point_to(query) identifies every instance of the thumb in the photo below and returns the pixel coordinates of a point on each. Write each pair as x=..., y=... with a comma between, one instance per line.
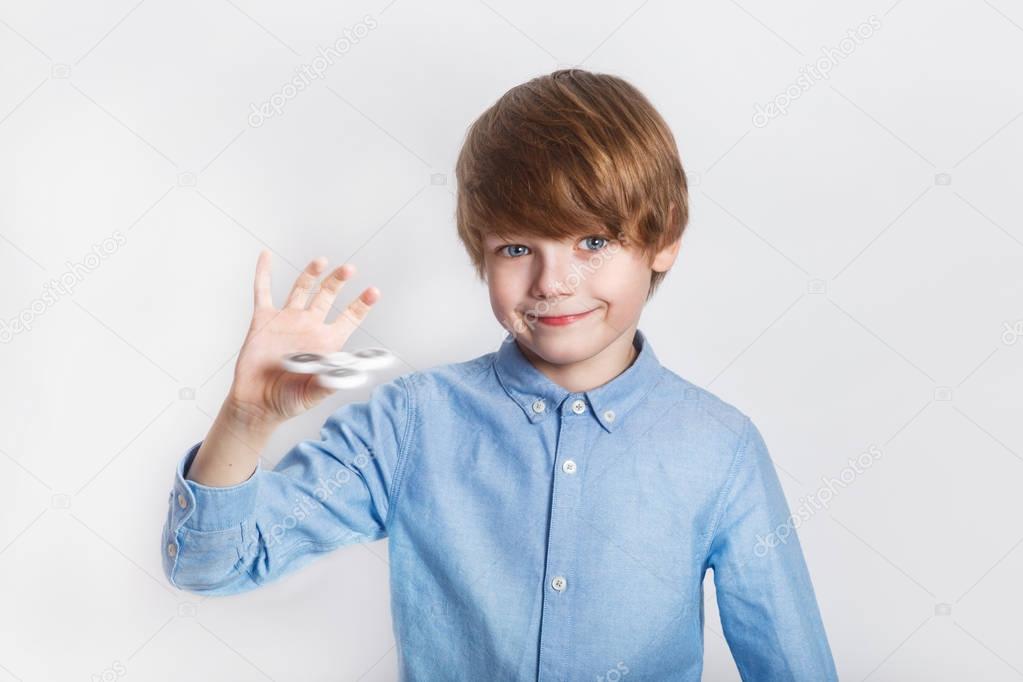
x=315, y=392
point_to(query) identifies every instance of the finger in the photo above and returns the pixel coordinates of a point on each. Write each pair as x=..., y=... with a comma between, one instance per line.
x=261, y=288
x=330, y=287
x=304, y=283
x=356, y=312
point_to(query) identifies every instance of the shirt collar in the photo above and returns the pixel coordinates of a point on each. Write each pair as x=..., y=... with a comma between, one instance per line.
x=609, y=404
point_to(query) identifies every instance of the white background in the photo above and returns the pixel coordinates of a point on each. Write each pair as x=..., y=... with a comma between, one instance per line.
x=851, y=278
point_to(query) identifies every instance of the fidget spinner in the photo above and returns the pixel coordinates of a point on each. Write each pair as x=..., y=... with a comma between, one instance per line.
x=339, y=370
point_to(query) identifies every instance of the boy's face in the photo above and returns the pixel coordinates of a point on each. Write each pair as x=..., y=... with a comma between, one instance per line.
x=600, y=283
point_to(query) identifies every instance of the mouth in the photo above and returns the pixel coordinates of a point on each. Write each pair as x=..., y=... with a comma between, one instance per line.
x=561, y=320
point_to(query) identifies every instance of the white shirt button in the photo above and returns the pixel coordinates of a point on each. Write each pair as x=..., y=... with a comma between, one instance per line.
x=559, y=583
x=539, y=405
x=172, y=549
x=609, y=415
x=182, y=502
x=579, y=406
x=568, y=467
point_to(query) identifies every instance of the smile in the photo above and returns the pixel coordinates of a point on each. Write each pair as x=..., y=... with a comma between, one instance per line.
x=564, y=319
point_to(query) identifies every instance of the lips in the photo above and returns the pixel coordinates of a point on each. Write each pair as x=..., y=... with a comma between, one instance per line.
x=559, y=320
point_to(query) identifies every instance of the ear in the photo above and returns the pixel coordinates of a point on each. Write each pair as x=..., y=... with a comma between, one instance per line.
x=665, y=258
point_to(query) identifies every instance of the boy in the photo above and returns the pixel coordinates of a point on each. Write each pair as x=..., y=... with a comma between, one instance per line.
x=551, y=507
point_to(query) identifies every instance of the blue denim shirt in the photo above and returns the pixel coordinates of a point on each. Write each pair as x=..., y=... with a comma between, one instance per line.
x=534, y=533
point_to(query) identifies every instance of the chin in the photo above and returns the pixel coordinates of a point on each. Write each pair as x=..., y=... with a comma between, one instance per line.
x=564, y=347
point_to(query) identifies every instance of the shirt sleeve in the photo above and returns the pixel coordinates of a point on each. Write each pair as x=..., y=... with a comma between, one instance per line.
x=765, y=597
x=321, y=495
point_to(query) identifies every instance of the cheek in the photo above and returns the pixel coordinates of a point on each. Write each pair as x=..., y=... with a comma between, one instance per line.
x=621, y=278
x=505, y=287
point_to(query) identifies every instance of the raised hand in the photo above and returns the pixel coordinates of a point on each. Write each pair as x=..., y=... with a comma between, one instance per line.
x=262, y=391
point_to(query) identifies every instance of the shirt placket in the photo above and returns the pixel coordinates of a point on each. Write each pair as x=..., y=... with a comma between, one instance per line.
x=559, y=573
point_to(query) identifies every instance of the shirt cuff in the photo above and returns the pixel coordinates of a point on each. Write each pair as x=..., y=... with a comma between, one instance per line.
x=200, y=507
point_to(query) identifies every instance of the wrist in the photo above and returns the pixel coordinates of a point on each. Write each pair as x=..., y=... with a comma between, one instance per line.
x=241, y=417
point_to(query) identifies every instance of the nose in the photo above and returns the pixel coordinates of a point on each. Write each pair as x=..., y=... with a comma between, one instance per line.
x=550, y=281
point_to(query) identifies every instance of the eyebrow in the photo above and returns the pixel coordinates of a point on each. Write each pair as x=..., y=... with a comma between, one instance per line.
x=511, y=238
x=508, y=239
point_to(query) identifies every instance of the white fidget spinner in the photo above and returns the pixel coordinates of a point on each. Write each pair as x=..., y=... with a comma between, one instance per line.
x=339, y=370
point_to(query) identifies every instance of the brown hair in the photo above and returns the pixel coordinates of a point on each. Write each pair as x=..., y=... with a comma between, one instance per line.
x=571, y=153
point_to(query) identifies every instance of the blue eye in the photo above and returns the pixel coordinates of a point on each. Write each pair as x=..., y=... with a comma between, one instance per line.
x=513, y=250
x=599, y=239
x=504, y=251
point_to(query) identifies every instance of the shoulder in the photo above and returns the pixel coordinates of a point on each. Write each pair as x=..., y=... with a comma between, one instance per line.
x=450, y=379
x=703, y=413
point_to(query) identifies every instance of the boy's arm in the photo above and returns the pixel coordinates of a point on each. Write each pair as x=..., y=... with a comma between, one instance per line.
x=766, y=600
x=322, y=494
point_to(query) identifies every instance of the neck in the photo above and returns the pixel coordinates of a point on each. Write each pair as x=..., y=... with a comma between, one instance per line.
x=592, y=372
